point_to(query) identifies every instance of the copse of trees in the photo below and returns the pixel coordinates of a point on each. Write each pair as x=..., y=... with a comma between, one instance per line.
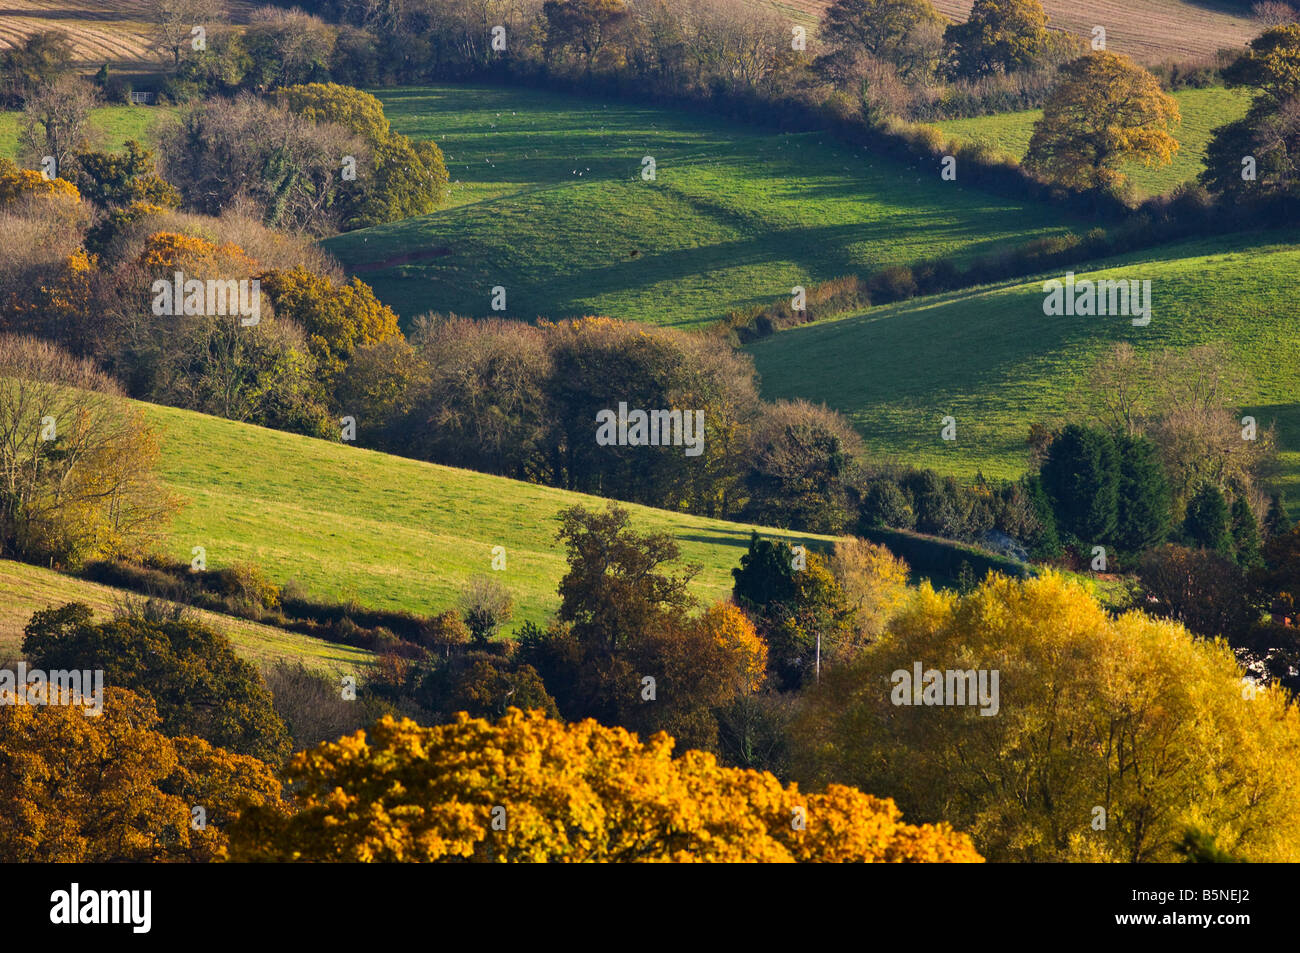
x=288, y=166
x=198, y=684
x=523, y=400
x=1258, y=153
x=1164, y=457
x=405, y=178
x=1149, y=725
x=114, y=789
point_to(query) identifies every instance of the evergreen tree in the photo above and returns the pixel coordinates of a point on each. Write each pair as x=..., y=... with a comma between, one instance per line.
x=766, y=574
x=1245, y=535
x=1278, y=521
x=1144, y=504
x=1046, y=543
x=1081, y=478
x=1206, y=524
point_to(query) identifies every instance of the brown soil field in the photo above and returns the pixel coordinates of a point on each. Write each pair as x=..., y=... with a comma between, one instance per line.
x=112, y=31
x=1150, y=31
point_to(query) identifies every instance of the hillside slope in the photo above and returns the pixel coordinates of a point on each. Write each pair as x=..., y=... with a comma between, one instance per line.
x=26, y=589
x=993, y=360
x=549, y=203
x=392, y=533
x=1203, y=110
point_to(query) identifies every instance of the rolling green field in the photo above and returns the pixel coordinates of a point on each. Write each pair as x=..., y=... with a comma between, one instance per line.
x=110, y=126
x=993, y=360
x=549, y=203
x=389, y=532
x=26, y=589
x=1203, y=110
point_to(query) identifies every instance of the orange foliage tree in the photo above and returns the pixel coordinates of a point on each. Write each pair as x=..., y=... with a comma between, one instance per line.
x=109, y=787
x=529, y=788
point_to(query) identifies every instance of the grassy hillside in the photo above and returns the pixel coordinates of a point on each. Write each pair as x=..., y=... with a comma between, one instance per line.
x=990, y=357
x=110, y=127
x=1148, y=30
x=1203, y=110
x=549, y=203
x=392, y=533
x=26, y=589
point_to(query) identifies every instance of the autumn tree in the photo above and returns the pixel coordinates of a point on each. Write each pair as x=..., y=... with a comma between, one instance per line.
x=338, y=319
x=479, y=398
x=200, y=686
x=900, y=32
x=803, y=465
x=113, y=788
x=1105, y=111
x=588, y=27
x=531, y=789
x=874, y=582
x=616, y=584
x=1125, y=718
x=1002, y=36
x=1259, y=151
x=396, y=177
x=77, y=463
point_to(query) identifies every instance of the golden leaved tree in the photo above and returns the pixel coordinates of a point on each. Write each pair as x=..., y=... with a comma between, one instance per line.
x=529, y=788
x=1104, y=112
x=81, y=788
x=1112, y=737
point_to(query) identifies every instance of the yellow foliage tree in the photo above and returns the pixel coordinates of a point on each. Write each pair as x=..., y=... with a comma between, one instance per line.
x=81, y=788
x=1111, y=737
x=337, y=319
x=736, y=635
x=529, y=788
x=1104, y=112
x=874, y=581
